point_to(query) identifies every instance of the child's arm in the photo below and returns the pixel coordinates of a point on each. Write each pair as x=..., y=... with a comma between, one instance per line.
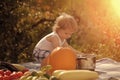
x=67, y=45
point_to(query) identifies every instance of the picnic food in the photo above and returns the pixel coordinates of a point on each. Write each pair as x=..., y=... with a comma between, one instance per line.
x=7, y=66
x=19, y=67
x=75, y=75
x=8, y=75
x=37, y=75
x=62, y=58
x=57, y=72
x=8, y=71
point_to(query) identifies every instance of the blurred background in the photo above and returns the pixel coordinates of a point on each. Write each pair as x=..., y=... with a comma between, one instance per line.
x=24, y=22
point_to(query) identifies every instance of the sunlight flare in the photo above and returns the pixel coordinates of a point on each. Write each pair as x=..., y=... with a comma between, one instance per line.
x=116, y=6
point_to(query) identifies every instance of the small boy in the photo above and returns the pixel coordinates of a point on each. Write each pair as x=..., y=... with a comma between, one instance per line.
x=65, y=25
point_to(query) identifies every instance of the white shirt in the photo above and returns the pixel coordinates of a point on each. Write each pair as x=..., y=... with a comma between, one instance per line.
x=44, y=44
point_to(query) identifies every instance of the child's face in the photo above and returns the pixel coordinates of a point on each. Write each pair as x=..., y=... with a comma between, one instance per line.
x=66, y=33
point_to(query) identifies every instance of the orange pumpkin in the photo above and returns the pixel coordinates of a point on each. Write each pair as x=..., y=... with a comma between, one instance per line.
x=61, y=59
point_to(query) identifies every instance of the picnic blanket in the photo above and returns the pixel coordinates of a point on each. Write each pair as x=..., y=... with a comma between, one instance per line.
x=107, y=68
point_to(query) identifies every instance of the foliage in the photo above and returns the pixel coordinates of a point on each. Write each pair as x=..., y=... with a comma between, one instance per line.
x=23, y=24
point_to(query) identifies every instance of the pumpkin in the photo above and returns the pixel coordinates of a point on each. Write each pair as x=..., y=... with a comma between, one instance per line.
x=61, y=58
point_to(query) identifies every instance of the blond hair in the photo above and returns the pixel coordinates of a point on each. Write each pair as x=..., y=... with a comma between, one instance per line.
x=65, y=21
